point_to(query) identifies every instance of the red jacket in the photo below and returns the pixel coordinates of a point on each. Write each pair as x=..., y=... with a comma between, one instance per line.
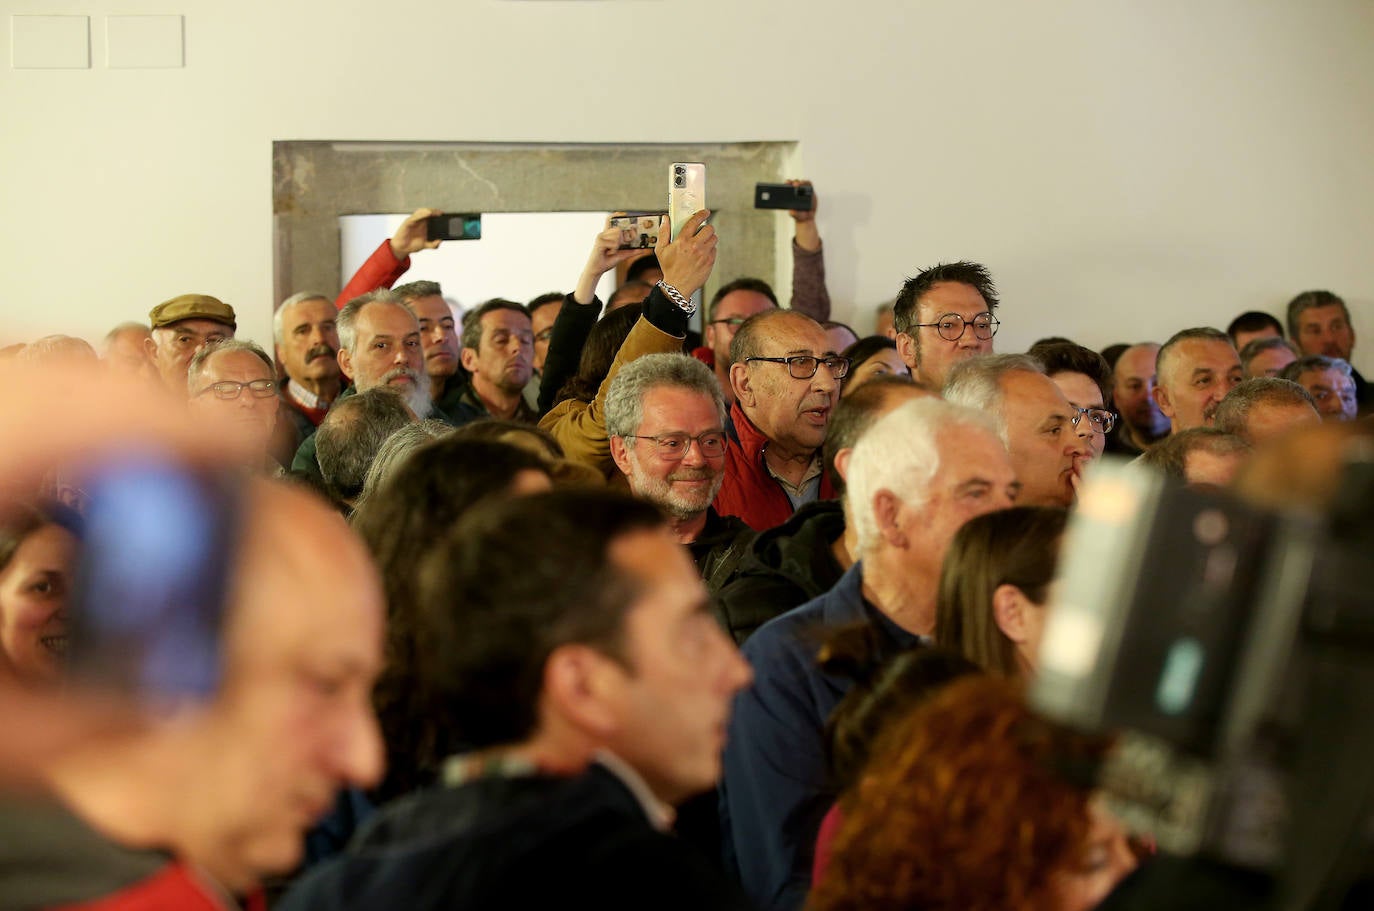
x=749, y=491
x=382, y=270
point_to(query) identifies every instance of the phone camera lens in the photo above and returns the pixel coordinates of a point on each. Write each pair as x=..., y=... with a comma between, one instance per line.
x=679, y=181
x=679, y=170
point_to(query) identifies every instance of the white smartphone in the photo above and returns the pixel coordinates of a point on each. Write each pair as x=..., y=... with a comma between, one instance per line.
x=686, y=193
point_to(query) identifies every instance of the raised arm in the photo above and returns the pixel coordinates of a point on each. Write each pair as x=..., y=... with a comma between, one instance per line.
x=809, y=294
x=390, y=261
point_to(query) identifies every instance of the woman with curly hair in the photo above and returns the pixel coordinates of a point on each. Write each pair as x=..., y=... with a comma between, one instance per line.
x=974, y=803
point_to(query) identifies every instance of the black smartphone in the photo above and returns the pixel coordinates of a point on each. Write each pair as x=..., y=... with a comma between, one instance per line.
x=454, y=227
x=783, y=196
x=638, y=230
x=153, y=569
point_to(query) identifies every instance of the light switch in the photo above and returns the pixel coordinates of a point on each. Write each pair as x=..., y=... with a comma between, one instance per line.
x=50, y=42
x=144, y=42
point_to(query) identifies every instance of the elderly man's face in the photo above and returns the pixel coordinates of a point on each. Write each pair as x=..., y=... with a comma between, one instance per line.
x=223, y=395
x=387, y=351
x=1326, y=330
x=1333, y=391
x=310, y=341
x=675, y=472
x=929, y=354
x=1198, y=374
x=1048, y=452
x=792, y=413
x=172, y=347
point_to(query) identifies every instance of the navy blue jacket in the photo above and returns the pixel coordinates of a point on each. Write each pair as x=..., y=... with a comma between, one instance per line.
x=775, y=790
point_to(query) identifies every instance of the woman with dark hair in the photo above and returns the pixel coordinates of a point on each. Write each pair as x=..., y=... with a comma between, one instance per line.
x=974, y=803
x=424, y=496
x=37, y=552
x=994, y=585
x=875, y=355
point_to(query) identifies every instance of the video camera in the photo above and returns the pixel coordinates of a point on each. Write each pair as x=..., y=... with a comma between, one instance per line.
x=1233, y=649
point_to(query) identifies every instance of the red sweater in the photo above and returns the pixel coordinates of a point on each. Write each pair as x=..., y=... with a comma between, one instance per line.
x=749, y=491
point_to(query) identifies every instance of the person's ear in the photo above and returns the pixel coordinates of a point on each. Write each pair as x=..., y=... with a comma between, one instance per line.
x=842, y=462
x=620, y=454
x=906, y=350
x=742, y=385
x=1161, y=396
x=583, y=688
x=150, y=348
x=887, y=510
x=345, y=359
x=468, y=358
x=1009, y=606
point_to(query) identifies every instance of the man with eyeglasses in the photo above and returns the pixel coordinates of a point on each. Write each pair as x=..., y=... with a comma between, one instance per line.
x=1085, y=379
x=944, y=315
x=233, y=384
x=183, y=326
x=665, y=419
x=786, y=381
x=1048, y=439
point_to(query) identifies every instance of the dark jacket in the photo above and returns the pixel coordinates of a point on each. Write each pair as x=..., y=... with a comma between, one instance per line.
x=775, y=789
x=783, y=568
x=519, y=842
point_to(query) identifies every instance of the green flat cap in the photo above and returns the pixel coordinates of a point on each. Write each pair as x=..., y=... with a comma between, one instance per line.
x=192, y=306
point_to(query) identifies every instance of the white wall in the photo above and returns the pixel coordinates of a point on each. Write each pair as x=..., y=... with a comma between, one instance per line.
x=1126, y=167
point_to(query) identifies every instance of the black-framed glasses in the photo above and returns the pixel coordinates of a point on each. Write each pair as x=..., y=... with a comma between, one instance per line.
x=804, y=366
x=229, y=390
x=673, y=447
x=951, y=326
x=1101, y=419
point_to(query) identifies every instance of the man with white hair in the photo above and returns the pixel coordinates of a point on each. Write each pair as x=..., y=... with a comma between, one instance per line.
x=379, y=347
x=306, y=335
x=914, y=478
x=1050, y=442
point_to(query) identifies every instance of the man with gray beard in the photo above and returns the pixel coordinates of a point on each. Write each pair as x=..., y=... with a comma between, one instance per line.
x=665, y=418
x=379, y=347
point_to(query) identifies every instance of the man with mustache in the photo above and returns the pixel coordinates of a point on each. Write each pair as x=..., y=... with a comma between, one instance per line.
x=1193, y=372
x=786, y=380
x=307, y=343
x=380, y=347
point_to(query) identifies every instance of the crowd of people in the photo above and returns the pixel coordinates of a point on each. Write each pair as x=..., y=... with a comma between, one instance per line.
x=565, y=602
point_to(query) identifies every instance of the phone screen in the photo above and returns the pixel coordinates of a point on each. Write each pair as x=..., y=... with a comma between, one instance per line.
x=151, y=577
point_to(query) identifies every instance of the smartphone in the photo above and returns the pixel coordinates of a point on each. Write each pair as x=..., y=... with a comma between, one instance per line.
x=153, y=569
x=454, y=227
x=638, y=230
x=686, y=193
x=784, y=196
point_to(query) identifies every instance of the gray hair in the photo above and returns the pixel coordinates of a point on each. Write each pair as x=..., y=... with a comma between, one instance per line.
x=625, y=398
x=202, y=357
x=1255, y=347
x=1308, y=300
x=1315, y=362
x=347, y=320
x=411, y=290
x=1170, y=455
x=1233, y=413
x=977, y=383
x=900, y=453
x=125, y=327
x=351, y=435
x=395, y=450
x=1200, y=333
x=300, y=297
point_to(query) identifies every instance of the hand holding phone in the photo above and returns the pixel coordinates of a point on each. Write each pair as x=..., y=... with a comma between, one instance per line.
x=686, y=193
x=454, y=227
x=688, y=260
